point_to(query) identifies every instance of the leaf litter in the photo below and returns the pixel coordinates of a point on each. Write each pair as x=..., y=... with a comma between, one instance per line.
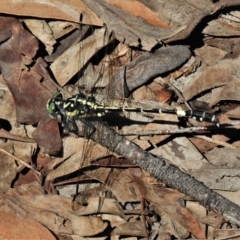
x=25, y=87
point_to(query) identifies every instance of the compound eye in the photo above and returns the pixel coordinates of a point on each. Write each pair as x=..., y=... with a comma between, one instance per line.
x=52, y=103
x=51, y=107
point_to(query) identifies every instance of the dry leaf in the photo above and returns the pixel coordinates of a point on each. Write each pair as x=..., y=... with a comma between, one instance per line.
x=169, y=202
x=13, y=226
x=43, y=32
x=57, y=9
x=67, y=65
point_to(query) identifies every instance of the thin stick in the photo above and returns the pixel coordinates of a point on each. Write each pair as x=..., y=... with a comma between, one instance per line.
x=19, y=160
x=170, y=131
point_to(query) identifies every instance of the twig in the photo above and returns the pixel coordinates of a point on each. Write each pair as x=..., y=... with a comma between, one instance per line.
x=5, y=134
x=168, y=131
x=163, y=171
x=19, y=160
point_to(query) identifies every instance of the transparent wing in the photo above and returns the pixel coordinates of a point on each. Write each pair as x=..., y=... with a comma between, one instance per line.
x=94, y=73
x=85, y=66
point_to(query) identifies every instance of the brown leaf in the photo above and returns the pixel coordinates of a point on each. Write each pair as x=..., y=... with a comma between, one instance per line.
x=22, y=42
x=221, y=178
x=181, y=152
x=222, y=27
x=77, y=154
x=133, y=228
x=138, y=9
x=30, y=96
x=47, y=135
x=109, y=206
x=8, y=167
x=159, y=22
x=58, y=9
x=168, y=201
x=225, y=233
x=52, y=210
x=202, y=145
x=228, y=92
x=209, y=78
x=4, y=35
x=13, y=226
x=67, y=65
x=120, y=184
x=224, y=157
x=7, y=100
x=42, y=31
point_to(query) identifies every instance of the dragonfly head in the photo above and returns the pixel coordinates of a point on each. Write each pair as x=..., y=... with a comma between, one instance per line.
x=53, y=103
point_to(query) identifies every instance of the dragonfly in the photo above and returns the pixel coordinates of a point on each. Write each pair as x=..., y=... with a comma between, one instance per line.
x=84, y=107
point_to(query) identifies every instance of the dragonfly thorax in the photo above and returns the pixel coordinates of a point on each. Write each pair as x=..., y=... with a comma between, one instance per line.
x=78, y=105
